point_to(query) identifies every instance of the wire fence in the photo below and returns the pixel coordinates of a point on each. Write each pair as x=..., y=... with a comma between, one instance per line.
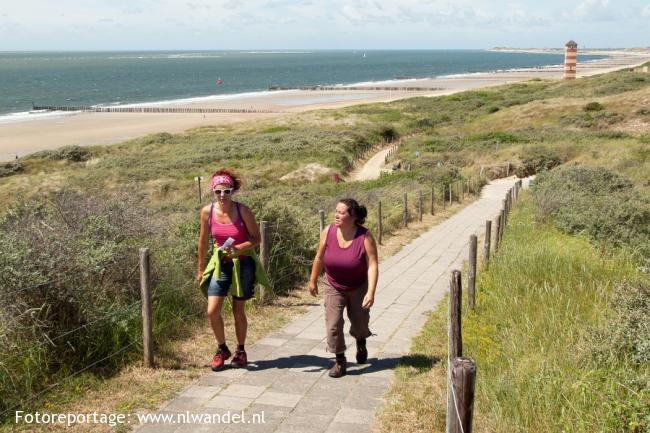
x=393, y=202
x=461, y=372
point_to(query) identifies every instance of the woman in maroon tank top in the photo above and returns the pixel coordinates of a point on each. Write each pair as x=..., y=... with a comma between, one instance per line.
x=348, y=254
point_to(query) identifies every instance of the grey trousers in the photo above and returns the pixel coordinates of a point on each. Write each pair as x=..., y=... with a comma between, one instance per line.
x=335, y=302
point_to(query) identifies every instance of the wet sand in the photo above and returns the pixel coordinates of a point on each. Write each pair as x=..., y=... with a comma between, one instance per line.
x=24, y=137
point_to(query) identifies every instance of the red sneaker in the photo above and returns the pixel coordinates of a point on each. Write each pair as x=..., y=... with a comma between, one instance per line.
x=219, y=359
x=239, y=360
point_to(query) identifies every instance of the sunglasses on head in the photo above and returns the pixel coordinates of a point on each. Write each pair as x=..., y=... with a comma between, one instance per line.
x=226, y=191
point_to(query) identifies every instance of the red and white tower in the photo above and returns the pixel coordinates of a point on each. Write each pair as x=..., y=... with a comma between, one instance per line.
x=570, y=60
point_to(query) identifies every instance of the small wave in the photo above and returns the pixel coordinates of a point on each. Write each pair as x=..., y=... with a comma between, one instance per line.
x=26, y=116
x=276, y=52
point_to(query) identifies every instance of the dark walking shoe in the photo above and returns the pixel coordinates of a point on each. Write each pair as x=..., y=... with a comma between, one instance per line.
x=339, y=368
x=219, y=359
x=362, y=352
x=239, y=360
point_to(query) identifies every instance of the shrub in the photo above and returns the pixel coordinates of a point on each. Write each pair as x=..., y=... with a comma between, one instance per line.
x=626, y=333
x=599, y=203
x=492, y=109
x=73, y=153
x=537, y=159
x=67, y=265
x=593, y=106
x=10, y=168
x=388, y=133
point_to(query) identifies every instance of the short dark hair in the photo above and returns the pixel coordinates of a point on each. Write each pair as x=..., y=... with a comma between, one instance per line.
x=356, y=211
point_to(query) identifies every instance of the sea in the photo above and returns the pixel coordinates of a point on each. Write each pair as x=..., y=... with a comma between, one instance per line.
x=115, y=78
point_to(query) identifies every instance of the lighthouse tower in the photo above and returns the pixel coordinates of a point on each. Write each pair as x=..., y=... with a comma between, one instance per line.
x=570, y=59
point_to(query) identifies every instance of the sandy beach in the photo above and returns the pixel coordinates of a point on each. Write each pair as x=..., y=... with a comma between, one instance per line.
x=23, y=137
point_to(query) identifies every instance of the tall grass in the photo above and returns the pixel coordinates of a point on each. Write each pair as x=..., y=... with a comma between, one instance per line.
x=540, y=306
x=543, y=294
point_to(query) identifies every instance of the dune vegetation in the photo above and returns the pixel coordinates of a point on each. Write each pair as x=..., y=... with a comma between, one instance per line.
x=73, y=219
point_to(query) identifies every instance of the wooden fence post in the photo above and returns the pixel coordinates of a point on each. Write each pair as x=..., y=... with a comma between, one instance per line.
x=379, y=225
x=471, y=277
x=264, y=254
x=497, y=233
x=145, y=295
x=420, y=205
x=406, y=211
x=505, y=213
x=463, y=380
x=488, y=239
x=450, y=193
x=321, y=218
x=443, y=196
x=455, y=294
x=433, y=192
x=454, y=333
x=502, y=226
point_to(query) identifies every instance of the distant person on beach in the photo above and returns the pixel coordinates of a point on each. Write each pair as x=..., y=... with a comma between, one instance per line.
x=348, y=253
x=235, y=233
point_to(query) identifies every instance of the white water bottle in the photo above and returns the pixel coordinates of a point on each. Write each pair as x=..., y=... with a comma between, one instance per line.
x=227, y=244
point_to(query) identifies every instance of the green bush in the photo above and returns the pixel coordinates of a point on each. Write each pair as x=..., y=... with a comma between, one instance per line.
x=537, y=159
x=68, y=153
x=73, y=153
x=599, y=203
x=69, y=292
x=626, y=333
x=593, y=106
x=10, y=168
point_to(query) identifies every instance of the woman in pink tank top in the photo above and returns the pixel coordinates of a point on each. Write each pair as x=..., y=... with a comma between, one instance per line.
x=348, y=254
x=224, y=219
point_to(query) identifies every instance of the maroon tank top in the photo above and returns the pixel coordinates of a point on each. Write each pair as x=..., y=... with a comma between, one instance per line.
x=346, y=268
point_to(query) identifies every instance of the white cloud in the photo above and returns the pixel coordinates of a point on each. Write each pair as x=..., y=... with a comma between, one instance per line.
x=320, y=24
x=646, y=11
x=597, y=10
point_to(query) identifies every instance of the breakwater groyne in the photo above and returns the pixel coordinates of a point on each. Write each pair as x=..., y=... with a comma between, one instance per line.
x=362, y=88
x=175, y=110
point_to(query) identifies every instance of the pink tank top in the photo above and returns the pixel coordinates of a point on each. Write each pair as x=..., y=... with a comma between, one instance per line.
x=221, y=232
x=346, y=268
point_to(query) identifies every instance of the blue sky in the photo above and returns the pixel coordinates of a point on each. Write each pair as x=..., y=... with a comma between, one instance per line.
x=311, y=24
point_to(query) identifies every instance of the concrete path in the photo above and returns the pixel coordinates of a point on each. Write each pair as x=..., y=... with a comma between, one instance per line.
x=287, y=379
x=372, y=168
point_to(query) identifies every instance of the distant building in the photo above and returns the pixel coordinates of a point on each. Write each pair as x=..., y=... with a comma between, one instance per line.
x=570, y=60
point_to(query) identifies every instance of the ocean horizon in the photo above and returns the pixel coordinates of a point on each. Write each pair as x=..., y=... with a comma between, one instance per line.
x=112, y=78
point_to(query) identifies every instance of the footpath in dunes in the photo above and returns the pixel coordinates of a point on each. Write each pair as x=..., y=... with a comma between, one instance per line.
x=286, y=381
